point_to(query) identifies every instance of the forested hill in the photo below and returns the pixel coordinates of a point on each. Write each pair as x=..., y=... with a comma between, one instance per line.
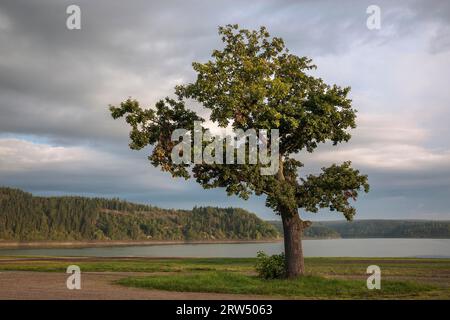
x=27, y=218
x=377, y=229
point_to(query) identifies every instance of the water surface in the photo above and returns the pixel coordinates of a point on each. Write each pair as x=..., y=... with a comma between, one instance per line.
x=429, y=248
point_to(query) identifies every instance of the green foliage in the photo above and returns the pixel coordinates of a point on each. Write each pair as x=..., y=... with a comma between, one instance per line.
x=332, y=188
x=155, y=127
x=255, y=82
x=24, y=217
x=270, y=267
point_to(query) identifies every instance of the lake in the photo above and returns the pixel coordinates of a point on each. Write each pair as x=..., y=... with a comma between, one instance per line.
x=424, y=248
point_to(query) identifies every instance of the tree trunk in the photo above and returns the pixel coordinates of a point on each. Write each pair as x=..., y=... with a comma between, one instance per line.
x=292, y=228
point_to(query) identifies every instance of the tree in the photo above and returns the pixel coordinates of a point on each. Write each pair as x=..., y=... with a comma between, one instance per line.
x=255, y=82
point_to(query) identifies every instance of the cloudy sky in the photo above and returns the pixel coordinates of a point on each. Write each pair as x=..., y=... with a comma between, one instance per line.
x=56, y=135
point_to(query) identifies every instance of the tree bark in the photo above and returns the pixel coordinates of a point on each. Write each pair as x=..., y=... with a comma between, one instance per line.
x=293, y=229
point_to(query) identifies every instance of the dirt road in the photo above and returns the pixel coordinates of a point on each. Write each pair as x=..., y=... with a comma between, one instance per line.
x=94, y=286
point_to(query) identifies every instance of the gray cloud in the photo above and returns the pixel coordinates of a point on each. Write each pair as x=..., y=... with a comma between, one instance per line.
x=55, y=86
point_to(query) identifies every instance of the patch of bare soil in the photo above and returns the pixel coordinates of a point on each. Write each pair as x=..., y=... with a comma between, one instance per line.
x=94, y=286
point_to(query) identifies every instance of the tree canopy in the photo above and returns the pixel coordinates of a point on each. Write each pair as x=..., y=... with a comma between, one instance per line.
x=255, y=82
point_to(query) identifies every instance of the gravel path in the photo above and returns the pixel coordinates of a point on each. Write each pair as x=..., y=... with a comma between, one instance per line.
x=94, y=286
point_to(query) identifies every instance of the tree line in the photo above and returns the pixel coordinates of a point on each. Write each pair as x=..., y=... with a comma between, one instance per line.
x=24, y=217
x=376, y=229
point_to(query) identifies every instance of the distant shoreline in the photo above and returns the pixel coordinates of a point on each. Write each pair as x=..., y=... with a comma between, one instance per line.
x=7, y=244
x=116, y=243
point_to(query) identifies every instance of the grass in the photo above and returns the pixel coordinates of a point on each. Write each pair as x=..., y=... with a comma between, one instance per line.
x=131, y=265
x=306, y=287
x=342, y=278
x=405, y=267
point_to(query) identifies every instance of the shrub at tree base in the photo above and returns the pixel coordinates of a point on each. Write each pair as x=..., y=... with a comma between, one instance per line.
x=270, y=267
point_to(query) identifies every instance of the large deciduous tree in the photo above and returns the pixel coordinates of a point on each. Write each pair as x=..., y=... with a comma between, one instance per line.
x=255, y=82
